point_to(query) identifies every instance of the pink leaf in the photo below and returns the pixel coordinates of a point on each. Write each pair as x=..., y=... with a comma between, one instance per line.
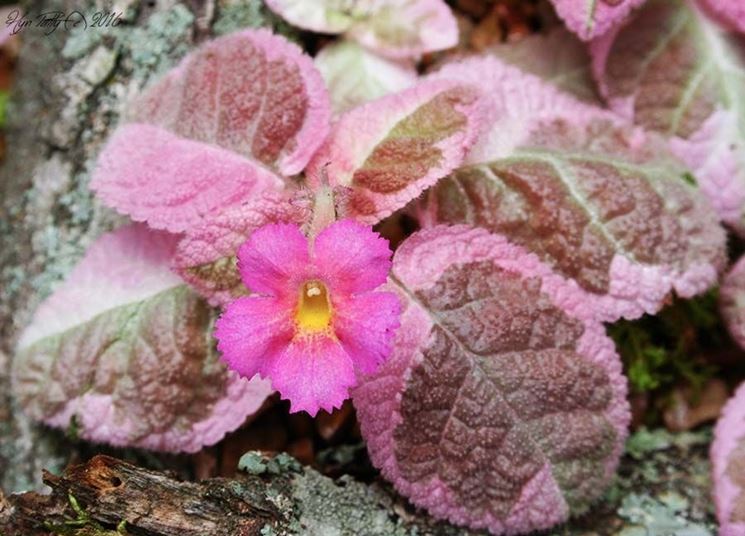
x=120, y=347
x=728, y=466
x=206, y=256
x=173, y=183
x=556, y=56
x=597, y=200
x=215, y=130
x=394, y=28
x=323, y=16
x=381, y=155
x=355, y=76
x=498, y=382
x=515, y=105
x=674, y=71
x=596, y=17
x=407, y=28
x=730, y=12
x=732, y=301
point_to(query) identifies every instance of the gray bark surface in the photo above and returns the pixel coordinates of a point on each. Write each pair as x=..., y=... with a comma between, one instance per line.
x=71, y=87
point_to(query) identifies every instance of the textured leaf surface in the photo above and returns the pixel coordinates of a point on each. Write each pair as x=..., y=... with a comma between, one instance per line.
x=324, y=16
x=206, y=256
x=395, y=28
x=501, y=408
x=592, y=18
x=406, y=28
x=730, y=12
x=732, y=301
x=215, y=131
x=596, y=200
x=382, y=154
x=514, y=106
x=673, y=71
x=123, y=349
x=558, y=57
x=728, y=466
x=355, y=76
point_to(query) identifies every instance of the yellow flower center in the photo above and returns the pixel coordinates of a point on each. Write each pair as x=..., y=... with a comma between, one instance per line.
x=314, y=308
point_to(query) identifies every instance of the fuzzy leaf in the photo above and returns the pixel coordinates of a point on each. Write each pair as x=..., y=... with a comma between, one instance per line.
x=407, y=28
x=557, y=57
x=728, y=466
x=501, y=407
x=729, y=12
x=323, y=16
x=206, y=256
x=394, y=28
x=381, y=155
x=732, y=301
x=596, y=200
x=593, y=18
x=355, y=76
x=673, y=71
x=215, y=131
x=124, y=350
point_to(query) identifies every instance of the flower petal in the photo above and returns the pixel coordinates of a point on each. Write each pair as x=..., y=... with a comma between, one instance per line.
x=205, y=256
x=251, y=332
x=313, y=373
x=365, y=325
x=351, y=257
x=271, y=257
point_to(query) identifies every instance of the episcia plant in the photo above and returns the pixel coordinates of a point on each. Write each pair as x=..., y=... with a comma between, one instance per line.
x=728, y=448
x=476, y=357
x=677, y=68
x=728, y=466
x=675, y=71
x=379, y=46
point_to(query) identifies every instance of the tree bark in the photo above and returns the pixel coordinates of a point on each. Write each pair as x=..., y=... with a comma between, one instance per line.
x=72, y=85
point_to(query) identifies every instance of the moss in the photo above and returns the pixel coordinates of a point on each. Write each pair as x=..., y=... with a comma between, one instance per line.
x=664, y=351
x=3, y=107
x=83, y=525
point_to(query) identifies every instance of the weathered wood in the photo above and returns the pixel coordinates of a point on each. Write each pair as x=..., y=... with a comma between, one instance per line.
x=111, y=491
x=275, y=496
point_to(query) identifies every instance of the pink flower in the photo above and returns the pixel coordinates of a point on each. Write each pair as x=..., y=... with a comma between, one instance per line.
x=315, y=320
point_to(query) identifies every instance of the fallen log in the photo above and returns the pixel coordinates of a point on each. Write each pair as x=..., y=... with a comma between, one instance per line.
x=106, y=491
x=107, y=496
